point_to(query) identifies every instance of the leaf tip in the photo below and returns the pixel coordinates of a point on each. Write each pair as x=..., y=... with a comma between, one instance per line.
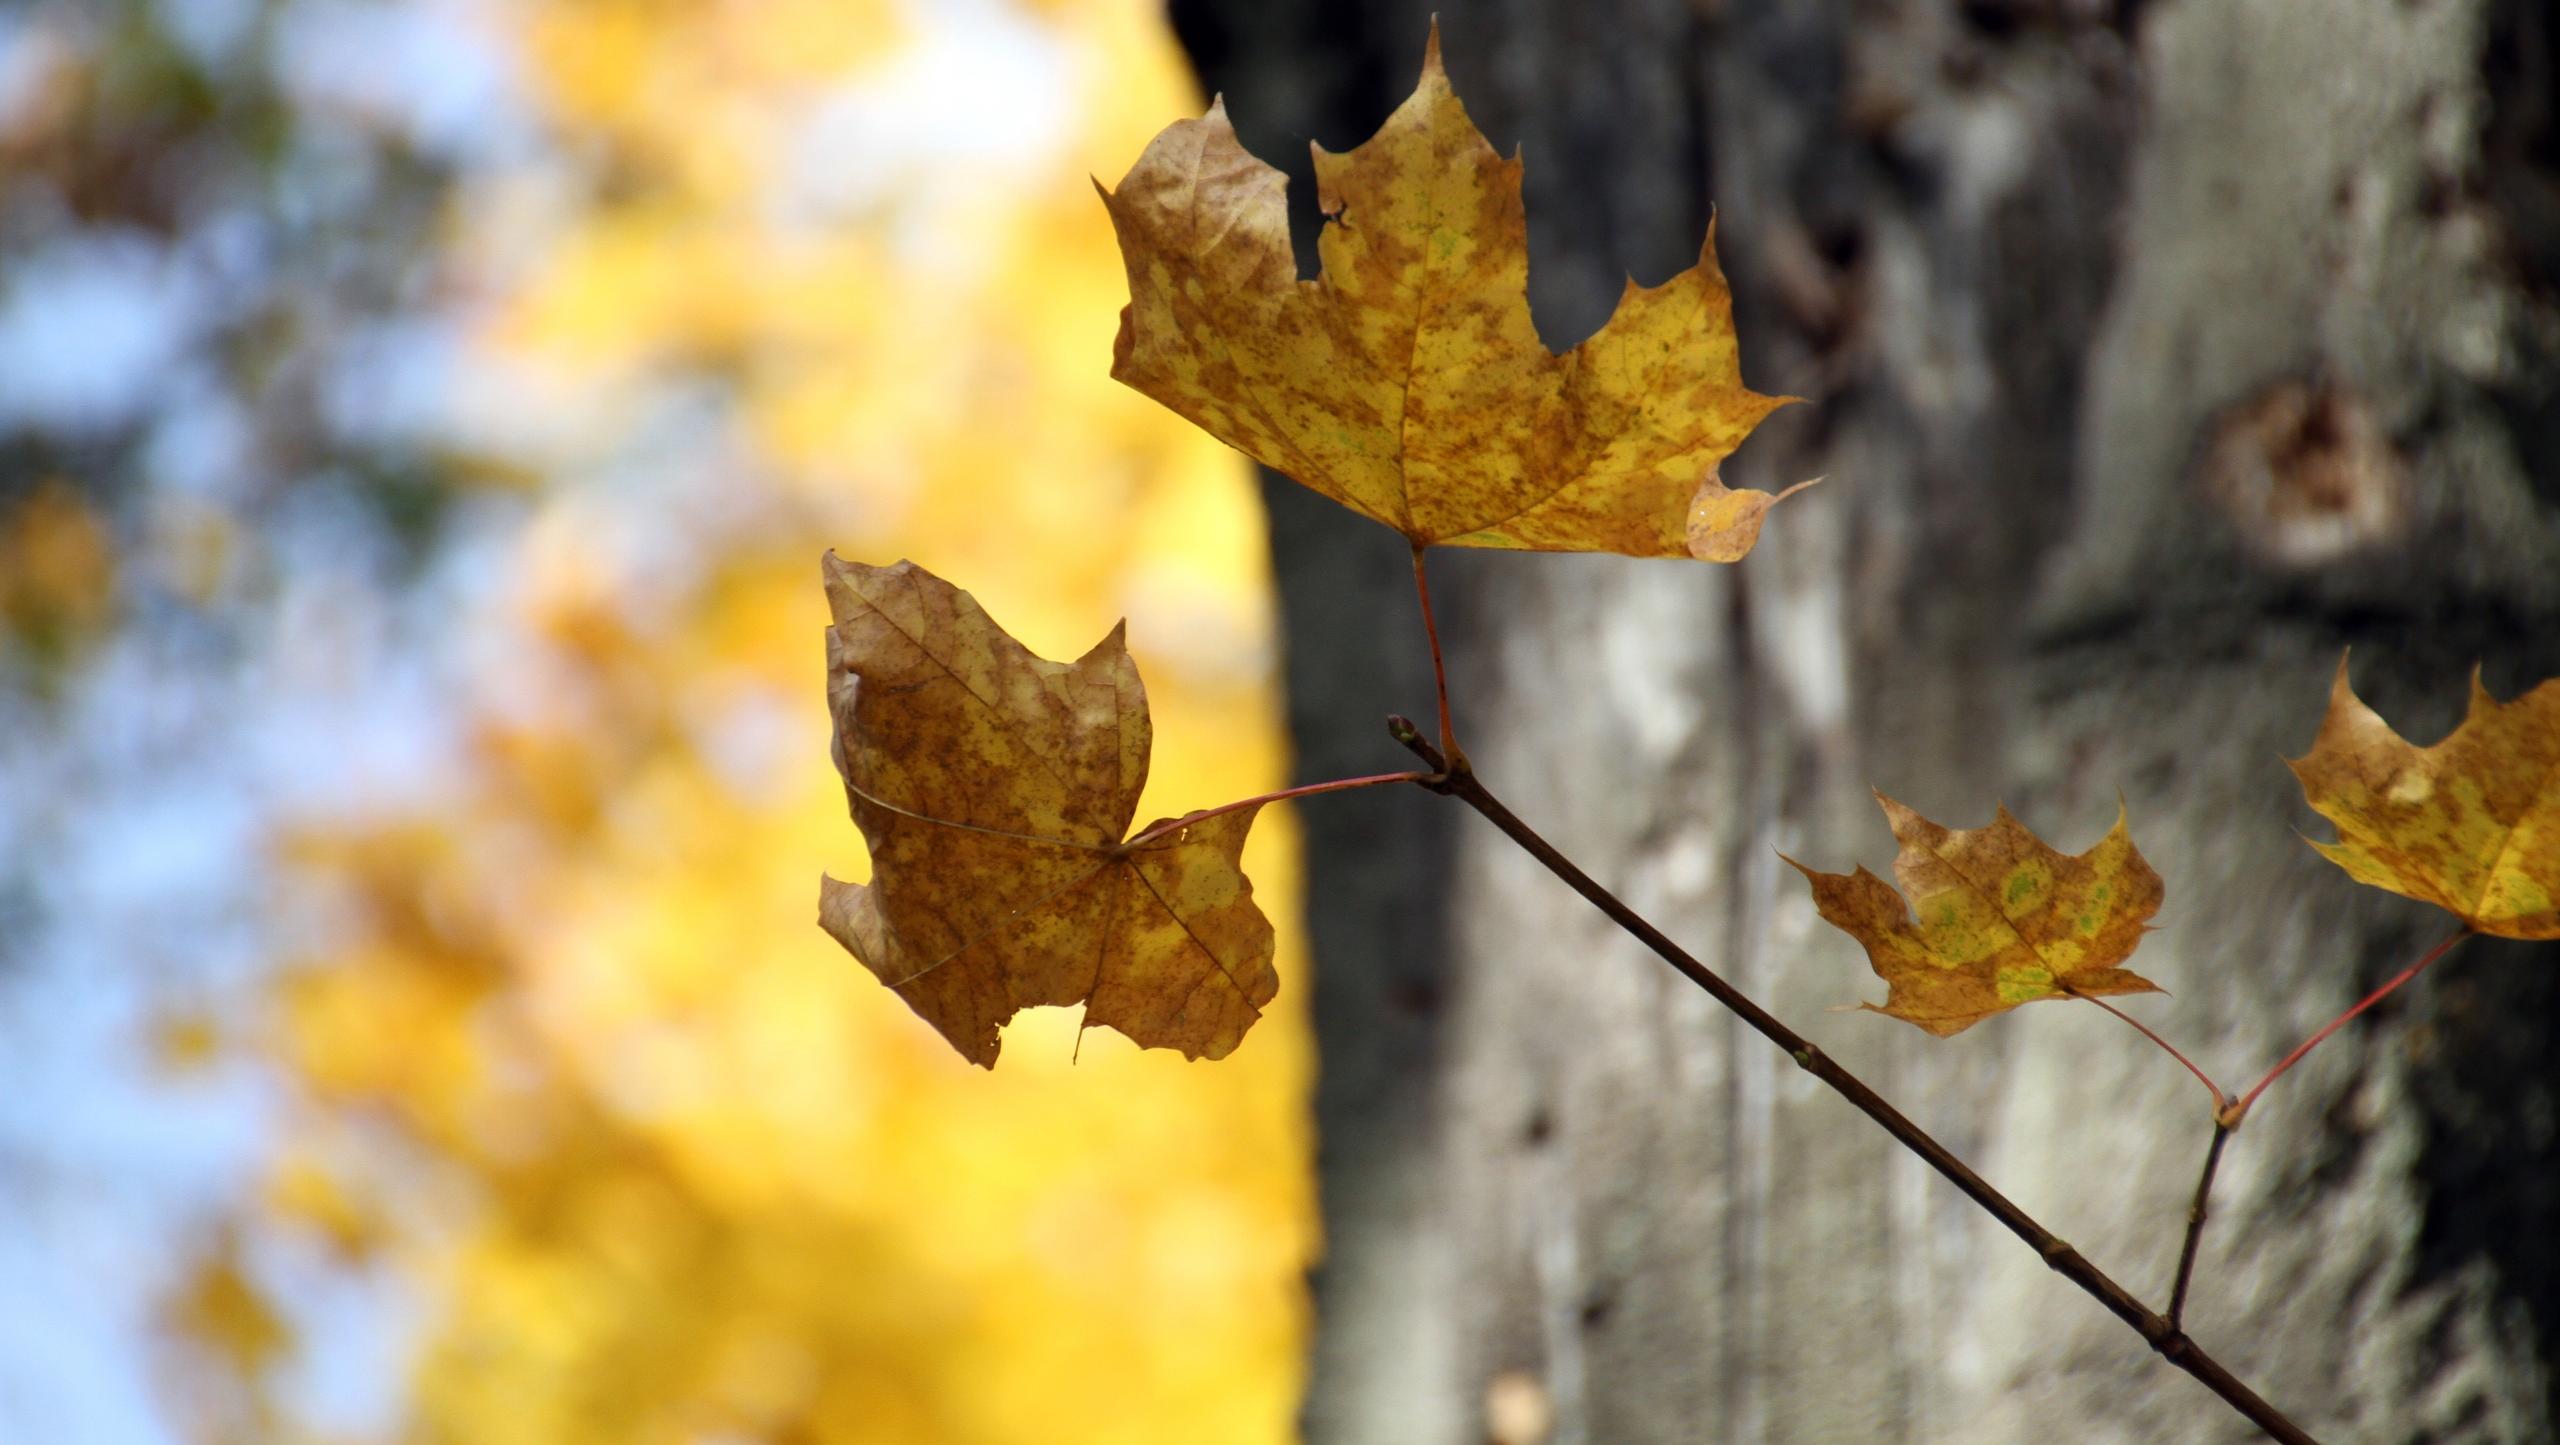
x=2481, y=701
x=1897, y=814
x=838, y=902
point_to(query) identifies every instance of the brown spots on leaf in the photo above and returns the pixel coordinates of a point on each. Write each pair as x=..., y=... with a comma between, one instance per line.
x=994, y=788
x=2471, y=824
x=1996, y=918
x=1406, y=381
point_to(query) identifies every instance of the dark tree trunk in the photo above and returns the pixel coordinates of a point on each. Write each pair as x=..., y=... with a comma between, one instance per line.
x=2156, y=354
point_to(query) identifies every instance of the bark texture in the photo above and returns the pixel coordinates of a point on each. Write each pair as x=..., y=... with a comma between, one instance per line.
x=2156, y=353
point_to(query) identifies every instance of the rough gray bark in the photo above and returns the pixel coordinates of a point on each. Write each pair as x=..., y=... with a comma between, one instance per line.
x=2156, y=354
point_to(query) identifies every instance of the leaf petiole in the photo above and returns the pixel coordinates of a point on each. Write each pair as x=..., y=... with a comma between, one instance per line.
x=1168, y=826
x=1449, y=749
x=2240, y=1110
x=2223, y=1124
x=2221, y=1100
x=1303, y=790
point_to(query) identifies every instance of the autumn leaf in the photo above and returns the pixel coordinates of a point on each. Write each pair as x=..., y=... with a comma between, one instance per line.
x=1407, y=381
x=2471, y=824
x=995, y=789
x=2003, y=918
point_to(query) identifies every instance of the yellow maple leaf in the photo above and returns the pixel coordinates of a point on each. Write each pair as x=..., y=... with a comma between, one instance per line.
x=1407, y=381
x=2471, y=824
x=994, y=788
x=2002, y=918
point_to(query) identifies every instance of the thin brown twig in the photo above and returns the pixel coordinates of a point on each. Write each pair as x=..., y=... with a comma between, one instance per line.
x=2229, y=1112
x=1453, y=778
x=2195, y=1224
x=2240, y=1110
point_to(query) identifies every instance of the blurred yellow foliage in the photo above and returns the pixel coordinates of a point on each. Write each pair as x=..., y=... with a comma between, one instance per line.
x=663, y=1162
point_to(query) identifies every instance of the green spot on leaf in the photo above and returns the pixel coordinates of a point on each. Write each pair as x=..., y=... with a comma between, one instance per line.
x=2024, y=985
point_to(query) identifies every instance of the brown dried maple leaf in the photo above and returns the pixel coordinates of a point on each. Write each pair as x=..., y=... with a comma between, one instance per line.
x=1407, y=382
x=2002, y=918
x=995, y=789
x=2471, y=824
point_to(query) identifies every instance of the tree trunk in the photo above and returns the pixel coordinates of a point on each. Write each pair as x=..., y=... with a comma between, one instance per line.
x=2155, y=354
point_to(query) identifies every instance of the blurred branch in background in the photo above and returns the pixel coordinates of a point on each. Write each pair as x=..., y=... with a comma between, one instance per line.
x=419, y=423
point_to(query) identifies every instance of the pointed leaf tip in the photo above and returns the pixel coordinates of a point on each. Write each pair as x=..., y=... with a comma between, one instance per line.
x=2480, y=697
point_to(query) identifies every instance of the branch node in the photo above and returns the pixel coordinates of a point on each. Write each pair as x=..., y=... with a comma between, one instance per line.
x=1446, y=771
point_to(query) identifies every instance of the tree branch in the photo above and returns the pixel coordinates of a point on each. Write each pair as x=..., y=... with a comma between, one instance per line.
x=1454, y=778
x=2195, y=1224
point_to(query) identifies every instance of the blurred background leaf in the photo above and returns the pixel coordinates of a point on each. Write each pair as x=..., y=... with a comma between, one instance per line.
x=419, y=423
